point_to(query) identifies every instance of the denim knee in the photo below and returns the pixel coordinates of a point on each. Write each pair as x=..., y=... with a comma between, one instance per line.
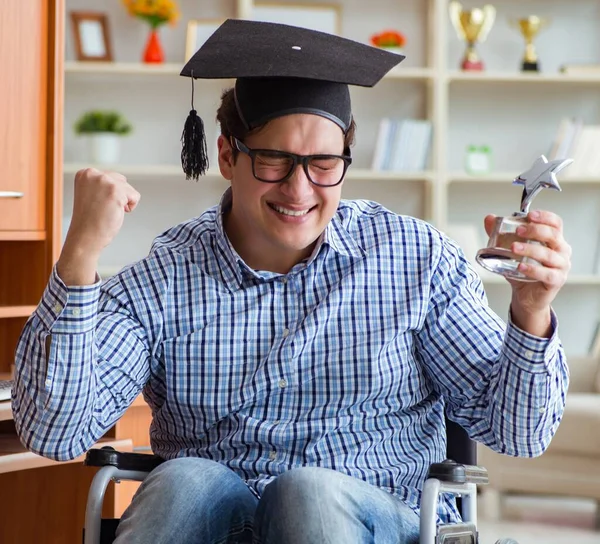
x=311, y=505
x=189, y=500
x=306, y=482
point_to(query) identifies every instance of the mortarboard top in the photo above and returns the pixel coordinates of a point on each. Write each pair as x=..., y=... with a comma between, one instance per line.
x=279, y=70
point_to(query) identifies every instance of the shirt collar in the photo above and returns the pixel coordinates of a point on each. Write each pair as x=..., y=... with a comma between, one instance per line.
x=236, y=273
x=337, y=237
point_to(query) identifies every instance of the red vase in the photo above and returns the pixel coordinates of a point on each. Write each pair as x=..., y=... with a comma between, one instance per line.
x=154, y=51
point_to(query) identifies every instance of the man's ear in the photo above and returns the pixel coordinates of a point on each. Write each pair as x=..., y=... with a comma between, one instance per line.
x=226, y=161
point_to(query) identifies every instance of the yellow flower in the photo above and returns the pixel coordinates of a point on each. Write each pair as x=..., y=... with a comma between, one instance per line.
x=161, y=10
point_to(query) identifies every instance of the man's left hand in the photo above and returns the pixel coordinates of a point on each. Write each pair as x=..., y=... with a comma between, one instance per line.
x=531, y=300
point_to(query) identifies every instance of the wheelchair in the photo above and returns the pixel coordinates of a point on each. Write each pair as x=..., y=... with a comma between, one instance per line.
x=458, y=475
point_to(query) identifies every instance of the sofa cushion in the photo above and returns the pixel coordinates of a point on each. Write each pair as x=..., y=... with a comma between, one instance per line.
x=578, y=430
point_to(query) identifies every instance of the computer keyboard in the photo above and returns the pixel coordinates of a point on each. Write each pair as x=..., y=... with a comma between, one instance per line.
x=5, y=387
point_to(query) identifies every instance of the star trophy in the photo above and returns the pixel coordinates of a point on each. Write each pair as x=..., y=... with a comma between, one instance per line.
x=472, y=26
x=498, y=257
x=530, y=27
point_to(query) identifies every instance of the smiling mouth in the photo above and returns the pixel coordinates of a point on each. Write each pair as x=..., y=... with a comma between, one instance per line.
x=293, y=213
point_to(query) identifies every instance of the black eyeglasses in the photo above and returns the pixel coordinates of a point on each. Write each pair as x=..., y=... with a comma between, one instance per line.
x=272, y=166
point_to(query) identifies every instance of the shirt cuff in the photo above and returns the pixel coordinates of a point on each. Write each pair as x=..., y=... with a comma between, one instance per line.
x=68, y=309
x=531, y=353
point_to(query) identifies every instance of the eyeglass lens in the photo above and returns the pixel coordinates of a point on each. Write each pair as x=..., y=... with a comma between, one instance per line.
x=275, y=166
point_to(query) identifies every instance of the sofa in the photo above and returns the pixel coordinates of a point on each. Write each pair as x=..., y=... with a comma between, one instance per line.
x=570, y=467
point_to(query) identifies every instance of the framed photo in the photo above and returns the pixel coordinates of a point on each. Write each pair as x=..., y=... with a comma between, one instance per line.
x=322, y=17
x=90, y=31
x=198, y=31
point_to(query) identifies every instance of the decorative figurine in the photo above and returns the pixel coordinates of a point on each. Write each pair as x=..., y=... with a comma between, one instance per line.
x=498, y=257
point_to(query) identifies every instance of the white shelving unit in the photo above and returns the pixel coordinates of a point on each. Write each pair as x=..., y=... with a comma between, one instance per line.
x=73, y=68
x=516, y=114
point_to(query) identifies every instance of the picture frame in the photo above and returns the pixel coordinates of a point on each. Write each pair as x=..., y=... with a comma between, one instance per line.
x=321, y=17
x=91, y=36
x=198, y=31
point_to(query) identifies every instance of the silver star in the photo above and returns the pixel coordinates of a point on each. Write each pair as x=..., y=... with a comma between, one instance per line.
x=542, y=175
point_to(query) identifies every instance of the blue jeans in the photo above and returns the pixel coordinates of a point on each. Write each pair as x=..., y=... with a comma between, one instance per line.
x=197, y=501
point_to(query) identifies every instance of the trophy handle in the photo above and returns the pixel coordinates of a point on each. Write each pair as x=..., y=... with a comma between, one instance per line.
x=489, y=16
x=455, y=8
x=545, y=23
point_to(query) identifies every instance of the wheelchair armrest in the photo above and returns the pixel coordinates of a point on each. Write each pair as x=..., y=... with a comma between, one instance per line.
x=451, y=472
x=107, y=455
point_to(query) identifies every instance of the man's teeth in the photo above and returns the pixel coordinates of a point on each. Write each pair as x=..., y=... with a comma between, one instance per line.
x=285, y=211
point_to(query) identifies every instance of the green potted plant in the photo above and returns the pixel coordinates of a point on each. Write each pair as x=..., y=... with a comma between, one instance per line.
x=103, y=130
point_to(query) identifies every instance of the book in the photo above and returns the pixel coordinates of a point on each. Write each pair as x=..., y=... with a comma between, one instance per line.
x=580, y=69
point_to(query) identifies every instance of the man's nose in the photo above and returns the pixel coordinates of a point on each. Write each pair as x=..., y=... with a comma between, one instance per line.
x=297, y=186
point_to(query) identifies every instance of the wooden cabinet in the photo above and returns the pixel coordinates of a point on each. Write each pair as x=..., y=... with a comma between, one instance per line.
x=44, y=501
x=23, y=110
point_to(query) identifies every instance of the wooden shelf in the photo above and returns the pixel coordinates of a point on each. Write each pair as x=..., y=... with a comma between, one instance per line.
x=138, y=170
x=507, y=177
x=5, y=410
x=14, y=456
x=22, y=235
x=371, y=175
x=167, y=170
x=400, y=72
x=174, y=68
x=125, y=68
x=517, y=77
x=16, y=311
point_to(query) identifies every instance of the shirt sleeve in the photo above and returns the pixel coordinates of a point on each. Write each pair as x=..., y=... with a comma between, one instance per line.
x=506, y=387
x=81, y=360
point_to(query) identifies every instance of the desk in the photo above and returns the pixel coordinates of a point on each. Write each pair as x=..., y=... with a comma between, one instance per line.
x=43, y=501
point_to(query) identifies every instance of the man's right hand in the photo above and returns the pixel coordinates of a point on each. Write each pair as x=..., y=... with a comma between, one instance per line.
x=100, y=202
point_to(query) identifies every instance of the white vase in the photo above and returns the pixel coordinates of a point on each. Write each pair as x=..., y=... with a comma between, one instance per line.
x=397, y=50
x=104, y=148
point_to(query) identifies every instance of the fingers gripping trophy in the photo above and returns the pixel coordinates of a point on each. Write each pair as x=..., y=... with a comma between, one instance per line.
x=498, y=256
x=472, y=26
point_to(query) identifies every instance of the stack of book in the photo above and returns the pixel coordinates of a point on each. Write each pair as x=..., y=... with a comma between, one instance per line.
x=402, y=145
x=579, y=142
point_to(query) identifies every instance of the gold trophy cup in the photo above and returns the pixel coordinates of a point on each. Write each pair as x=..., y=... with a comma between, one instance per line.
x=472, y=26
x=530, y=27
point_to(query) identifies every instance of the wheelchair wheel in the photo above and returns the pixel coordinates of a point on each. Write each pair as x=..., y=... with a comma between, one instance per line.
x=506, y=541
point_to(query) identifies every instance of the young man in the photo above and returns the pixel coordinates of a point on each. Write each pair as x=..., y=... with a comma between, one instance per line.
x=299, y=352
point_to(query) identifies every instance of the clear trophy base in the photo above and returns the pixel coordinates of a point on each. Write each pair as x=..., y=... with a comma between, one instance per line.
x=498, y=256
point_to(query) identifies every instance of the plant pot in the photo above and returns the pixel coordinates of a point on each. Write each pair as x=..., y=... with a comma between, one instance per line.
x=154, y=52
x=394, y=49
x=105, y=147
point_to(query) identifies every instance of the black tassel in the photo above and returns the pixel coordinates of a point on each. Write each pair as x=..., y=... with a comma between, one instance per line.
x=194, y=156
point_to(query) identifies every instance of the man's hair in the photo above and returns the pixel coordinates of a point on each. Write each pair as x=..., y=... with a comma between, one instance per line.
x=232, y=125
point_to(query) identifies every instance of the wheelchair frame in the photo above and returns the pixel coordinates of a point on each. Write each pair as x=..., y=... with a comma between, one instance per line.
x=447, y=477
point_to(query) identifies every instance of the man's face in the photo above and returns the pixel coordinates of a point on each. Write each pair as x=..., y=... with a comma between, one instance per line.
x=281, y=219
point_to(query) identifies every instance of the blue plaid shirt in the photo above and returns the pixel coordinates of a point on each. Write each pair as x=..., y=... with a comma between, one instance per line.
x=349, y=361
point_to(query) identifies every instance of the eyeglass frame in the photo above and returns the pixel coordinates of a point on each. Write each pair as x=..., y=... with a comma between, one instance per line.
x=297, y=159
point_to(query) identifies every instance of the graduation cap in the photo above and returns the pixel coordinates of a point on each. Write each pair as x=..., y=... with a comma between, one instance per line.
x=280, y=70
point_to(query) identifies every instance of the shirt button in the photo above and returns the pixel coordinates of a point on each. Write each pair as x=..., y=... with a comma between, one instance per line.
x=284, y=280
x=542, y=410
x=58, y=308
x=276, y=422
x=528, y=354
x=282, y=383
x=76, y=311
x=48, y=383
x=286, y=332
x=272, y=455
